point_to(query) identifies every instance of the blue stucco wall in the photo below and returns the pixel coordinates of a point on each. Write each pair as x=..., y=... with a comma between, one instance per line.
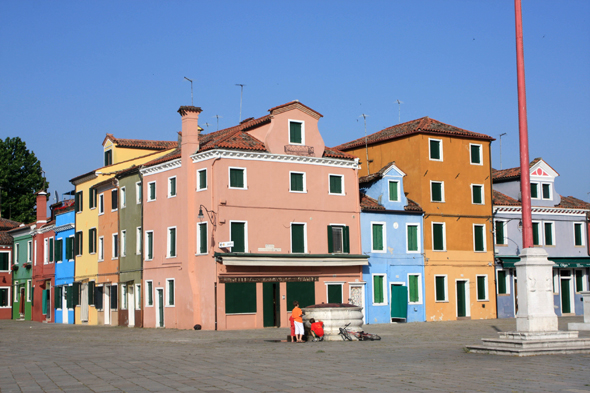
x=396, y=263
x=64, y=271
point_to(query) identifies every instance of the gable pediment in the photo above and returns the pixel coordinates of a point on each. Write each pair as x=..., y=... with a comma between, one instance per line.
x=542, y=171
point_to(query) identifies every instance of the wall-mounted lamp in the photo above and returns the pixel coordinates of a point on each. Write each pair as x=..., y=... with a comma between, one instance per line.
x=210, y=214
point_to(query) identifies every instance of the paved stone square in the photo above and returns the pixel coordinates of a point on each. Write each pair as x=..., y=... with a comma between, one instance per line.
x=415, y=357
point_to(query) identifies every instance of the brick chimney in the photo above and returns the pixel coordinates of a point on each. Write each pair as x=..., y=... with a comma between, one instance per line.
x=41, y=207
x=190, y=130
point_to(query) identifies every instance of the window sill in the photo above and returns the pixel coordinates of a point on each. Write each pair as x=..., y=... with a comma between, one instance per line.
x=168, y=306
x=171, y=257
x=437, y=201
x=501, y=245
x=503, y=294
x=171, y=196
x=380, y=304
x=331, y=193
x=441, y=301
x=151, y=200
x=483, y=300
x=439, y=250
x=238, y=188
x=201, y=189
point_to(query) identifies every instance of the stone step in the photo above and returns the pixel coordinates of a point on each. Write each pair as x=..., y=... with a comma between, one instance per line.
x=535, y=344
x=527, y=352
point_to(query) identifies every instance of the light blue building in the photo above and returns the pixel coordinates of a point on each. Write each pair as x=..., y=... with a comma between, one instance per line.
x=64, y=260
x=391, y=234
x=560, y=226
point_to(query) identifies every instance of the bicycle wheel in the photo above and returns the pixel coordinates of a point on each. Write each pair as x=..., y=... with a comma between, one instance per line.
x=372, y=337
x=345, y=334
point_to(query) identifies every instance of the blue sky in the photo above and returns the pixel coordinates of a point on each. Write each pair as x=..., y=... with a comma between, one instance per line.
x=74, y=70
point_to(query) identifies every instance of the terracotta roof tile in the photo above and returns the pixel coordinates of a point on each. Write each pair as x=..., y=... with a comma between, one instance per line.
x=569, y=202
x=333, y=153
x=173, y=155
x=295, y=105
x=368, y=203
x=413, y=206
x=5, y=223
x=504, y=200
x=376, y=175
x=141, y=143
x=424, y=125
x=5, y=239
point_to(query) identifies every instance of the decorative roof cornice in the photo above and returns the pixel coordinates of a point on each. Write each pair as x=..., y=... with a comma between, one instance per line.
x=44, y=229
x=63, y=228
x=264, y=156
x=165, y=166
x=183, y=110
x=540, y=210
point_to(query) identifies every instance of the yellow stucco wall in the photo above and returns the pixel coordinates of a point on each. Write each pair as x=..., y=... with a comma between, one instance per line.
x=87, y=264
x=459, y=261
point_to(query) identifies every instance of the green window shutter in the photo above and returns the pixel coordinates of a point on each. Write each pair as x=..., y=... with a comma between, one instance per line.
x=579, y=280
x=240, y=298
x=238, y=236
x=475, y=154
x=330, y=240
x=440, y=289
x=59, y=250
x=435, y=150
x=76, y=294
x=173, y=186
x=91, y=293
x=80, y=238
x=479, y=238
x=436, y=192
x=377, y=237
x=150, y=294
x=98, y=298
x=4, y=301
x=202, y=179
x=477, y=194
x=58, y=295
x=69, y=296
x=334, y=293
x=378, y=289
x=152, y=191
x=236, y=178
x=393, y=194
x=499, y=232
x=346, y=240
x=501, y=282
x=534, y=190
x=114, y=199
x=295, y=132
x=335, y=184
x=4, y=261
x=69, y=241
x=414, y=289
x=203, y=239
x=546, y=191
x=412, y=238
x=171, y=292
x=438, y=237
x=303, y=292
x=481, y=288
x=114, y=298
x=578, y=234
x=548, y=234
x=297, y=182
x=51, y=256
x=297, y=238
x=536, y=239
x=172, y=242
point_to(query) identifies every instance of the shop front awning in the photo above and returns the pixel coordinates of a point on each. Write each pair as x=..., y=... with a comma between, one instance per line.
x=247, y=259
x=560, y=262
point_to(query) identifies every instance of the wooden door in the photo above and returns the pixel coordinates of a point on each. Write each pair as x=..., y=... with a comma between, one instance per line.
x=461, y=299
x=399, y=301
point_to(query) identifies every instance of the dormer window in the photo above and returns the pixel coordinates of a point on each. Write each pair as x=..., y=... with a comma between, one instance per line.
x=296, y=132
x=108, y=158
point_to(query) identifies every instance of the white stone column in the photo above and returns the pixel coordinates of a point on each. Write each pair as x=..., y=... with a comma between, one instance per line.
x=535, y=292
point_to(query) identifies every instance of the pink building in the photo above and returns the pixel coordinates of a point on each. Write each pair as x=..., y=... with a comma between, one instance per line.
x=240, y=222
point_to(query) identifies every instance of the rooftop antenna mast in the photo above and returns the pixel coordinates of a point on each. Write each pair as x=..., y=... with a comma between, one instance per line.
x=241, y=95
x=501, y=135
x=191, y=81
x=366, y=143
x=207, y=125
x=399, y=105
x=217, y=116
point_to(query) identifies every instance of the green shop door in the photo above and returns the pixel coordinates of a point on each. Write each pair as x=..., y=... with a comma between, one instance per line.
x=399, y=301
x=160, y=307
x=461, y=306
x=271, y=304
x=566, y=296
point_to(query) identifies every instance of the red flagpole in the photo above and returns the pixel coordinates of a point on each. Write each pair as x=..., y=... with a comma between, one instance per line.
x=525, y=183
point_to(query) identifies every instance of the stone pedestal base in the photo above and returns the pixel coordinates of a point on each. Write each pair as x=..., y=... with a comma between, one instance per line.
x=533, y=343
x=578, y=326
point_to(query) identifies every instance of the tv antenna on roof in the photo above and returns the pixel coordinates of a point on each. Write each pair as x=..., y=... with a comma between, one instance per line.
x=366, y=144
x=207, y=124
x=501, y=135
x=399, y=104
x=191, y=81
x=217, y=116
x=241, y=94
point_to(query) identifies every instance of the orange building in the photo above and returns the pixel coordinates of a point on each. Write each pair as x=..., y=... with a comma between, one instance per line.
x=449, y=175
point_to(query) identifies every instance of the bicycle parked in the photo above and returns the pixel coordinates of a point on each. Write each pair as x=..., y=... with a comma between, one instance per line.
x=361, y=336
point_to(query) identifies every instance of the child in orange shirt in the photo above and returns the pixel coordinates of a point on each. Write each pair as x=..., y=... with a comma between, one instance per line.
x=317, y=330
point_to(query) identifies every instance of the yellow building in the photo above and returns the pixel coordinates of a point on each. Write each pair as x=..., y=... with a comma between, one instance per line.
x=119, y=154
x=449, y=175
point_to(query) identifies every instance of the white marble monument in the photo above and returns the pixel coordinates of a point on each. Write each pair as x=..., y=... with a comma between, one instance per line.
x=586, y=324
